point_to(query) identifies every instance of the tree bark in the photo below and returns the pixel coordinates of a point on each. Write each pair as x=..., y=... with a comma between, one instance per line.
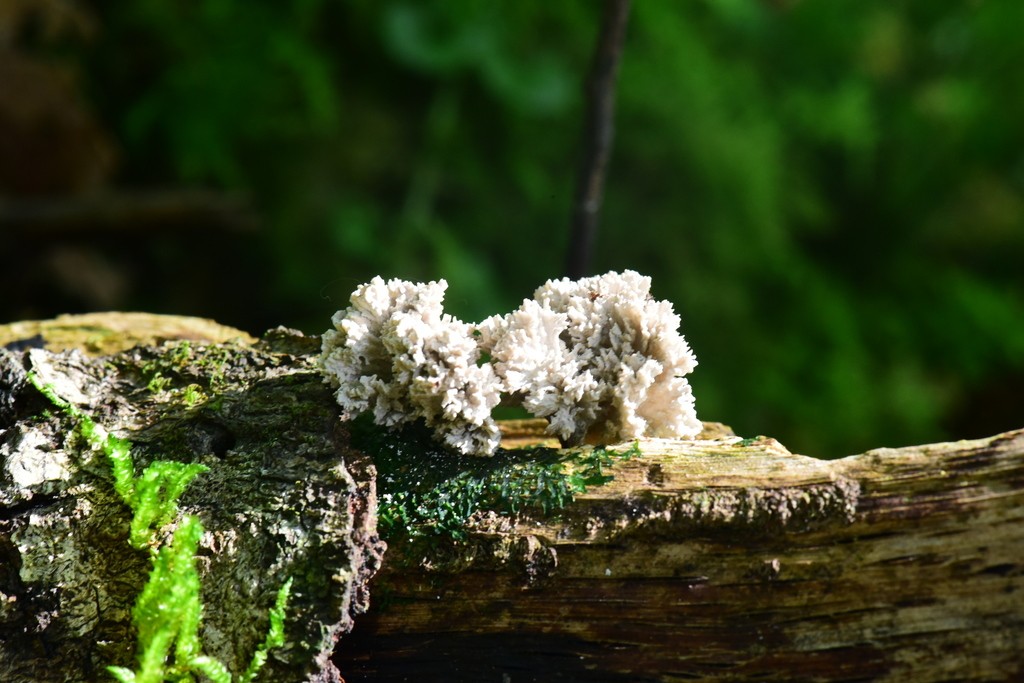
x=712, y=559
x=725, y=560
x=283, y=496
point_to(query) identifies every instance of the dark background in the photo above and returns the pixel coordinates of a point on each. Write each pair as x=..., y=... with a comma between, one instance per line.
x=831, y=193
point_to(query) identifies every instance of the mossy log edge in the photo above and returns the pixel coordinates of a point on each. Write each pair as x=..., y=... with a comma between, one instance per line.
x=716, y=559
x=283, y=496
x=725, y=560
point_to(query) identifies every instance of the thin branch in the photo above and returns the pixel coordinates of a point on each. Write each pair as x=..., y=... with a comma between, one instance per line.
x=597, y=136
x=137, y=212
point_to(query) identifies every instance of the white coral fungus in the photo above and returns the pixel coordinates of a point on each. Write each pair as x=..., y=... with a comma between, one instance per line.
x=597, y=352
x=394, y=352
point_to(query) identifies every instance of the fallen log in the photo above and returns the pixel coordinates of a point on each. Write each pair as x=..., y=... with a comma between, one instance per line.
x=282, y=498
x=724, y=560
x=715, y=559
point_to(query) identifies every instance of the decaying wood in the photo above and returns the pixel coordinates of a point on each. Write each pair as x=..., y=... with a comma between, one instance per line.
x=715, y=559
x=726, y=560
x=281, y=499
x=100, y=334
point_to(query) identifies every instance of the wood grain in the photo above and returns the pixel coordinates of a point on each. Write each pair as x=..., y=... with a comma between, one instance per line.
x=726, y=560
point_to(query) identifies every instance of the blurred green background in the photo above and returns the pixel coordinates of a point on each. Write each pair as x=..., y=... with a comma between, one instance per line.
x=831, y=193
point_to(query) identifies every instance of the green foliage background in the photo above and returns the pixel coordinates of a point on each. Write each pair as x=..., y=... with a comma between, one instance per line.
x=831, y=193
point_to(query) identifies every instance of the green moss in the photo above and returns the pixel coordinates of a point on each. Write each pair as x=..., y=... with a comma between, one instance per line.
x=192, y=395
x=202, y=367
x=426, y=490
x=157, y=382
x=168, y=612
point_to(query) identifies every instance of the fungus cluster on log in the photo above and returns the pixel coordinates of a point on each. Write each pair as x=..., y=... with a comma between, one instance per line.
x=597, y=355
x=716, y=558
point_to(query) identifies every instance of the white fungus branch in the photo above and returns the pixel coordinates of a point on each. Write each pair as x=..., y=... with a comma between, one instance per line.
x=597, y=356
x=395, y=353
x=597, y=352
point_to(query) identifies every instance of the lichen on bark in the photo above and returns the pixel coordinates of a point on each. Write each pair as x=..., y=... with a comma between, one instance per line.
x=278, y=500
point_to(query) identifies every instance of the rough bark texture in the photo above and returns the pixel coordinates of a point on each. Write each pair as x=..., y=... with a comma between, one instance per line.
x=714, y=559
x=726, y=560
x=278, y=499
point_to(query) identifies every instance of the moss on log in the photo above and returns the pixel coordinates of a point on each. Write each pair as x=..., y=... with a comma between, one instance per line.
x=716, y=559
x=98, y=334
x=727, y=560
x=283, y=496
